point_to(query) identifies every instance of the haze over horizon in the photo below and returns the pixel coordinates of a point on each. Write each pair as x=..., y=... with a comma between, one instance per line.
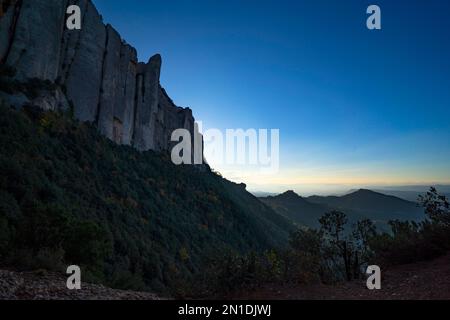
x=355, y=108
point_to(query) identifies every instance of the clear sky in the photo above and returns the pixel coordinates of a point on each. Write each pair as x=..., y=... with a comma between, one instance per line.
x=354, y=107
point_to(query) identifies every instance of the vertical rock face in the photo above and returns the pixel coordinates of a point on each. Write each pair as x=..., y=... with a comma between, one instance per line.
x=147, y=104
x=124, y=106
x=84, y=74
x=173, y=118
x=7, y=17
x=110, y=82
x=35, y=47
x=97, y=73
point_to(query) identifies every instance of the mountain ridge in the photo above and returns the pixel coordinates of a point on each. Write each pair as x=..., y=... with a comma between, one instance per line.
x=363, y=203
x=296, y=208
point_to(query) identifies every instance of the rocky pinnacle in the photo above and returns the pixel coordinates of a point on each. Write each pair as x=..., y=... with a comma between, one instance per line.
x=97, y=74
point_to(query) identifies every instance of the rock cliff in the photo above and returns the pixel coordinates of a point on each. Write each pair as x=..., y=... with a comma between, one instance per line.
x=93, y=71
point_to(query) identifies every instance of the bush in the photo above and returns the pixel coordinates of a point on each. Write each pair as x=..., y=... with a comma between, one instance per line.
x=32, y=88
x=7, y=71
x=411, y=242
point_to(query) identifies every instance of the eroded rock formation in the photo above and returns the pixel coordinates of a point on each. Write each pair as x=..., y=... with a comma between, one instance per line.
x=94, y=71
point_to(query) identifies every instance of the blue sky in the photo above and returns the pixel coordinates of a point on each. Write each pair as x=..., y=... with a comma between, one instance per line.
x=354, y=107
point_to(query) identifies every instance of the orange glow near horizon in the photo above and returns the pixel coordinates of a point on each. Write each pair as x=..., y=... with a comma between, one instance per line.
x=320, y=178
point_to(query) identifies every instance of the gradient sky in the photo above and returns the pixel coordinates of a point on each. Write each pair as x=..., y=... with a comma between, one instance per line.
x=354, y=107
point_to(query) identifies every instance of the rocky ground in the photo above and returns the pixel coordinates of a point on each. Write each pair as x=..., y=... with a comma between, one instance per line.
x=418, y=281
x=50, y=286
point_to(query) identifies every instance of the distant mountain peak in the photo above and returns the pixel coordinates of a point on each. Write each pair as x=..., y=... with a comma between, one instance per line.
x=289, y=194
x=367, y=193
x=364, y=191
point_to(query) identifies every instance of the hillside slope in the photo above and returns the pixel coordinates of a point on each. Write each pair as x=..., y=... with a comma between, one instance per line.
x=130, y=219
x=374, y=205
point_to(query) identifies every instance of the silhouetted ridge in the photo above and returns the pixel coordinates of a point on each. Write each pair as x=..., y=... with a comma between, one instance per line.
x=288, y=195
x=360, y=204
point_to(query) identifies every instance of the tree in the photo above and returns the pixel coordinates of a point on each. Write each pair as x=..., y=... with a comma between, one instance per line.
x=306, y=258
x=333, y=225
x=308, y=241
x=437, y=207
x=363, y=233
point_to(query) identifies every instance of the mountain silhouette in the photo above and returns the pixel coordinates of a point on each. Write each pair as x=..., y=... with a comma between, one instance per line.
x=296, y=208
x=357, y=205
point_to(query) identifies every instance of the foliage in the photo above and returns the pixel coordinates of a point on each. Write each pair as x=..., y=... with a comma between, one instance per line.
x=333, y=224
x=411, y=241
x=437, y=207
x=341, y=249
x=131, y=220
x=134, y=220
x=32, y=88
x=230, y=271
x=332, y=254
x=304, y=261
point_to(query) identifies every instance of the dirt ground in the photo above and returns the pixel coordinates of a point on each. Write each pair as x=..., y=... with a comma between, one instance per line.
x=51, y=286
x=418, y=281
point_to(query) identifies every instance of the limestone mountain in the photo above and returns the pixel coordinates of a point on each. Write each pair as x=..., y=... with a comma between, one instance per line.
x=95, y=73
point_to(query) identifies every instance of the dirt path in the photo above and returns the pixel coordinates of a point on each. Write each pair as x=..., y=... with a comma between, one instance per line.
x=424, y=280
